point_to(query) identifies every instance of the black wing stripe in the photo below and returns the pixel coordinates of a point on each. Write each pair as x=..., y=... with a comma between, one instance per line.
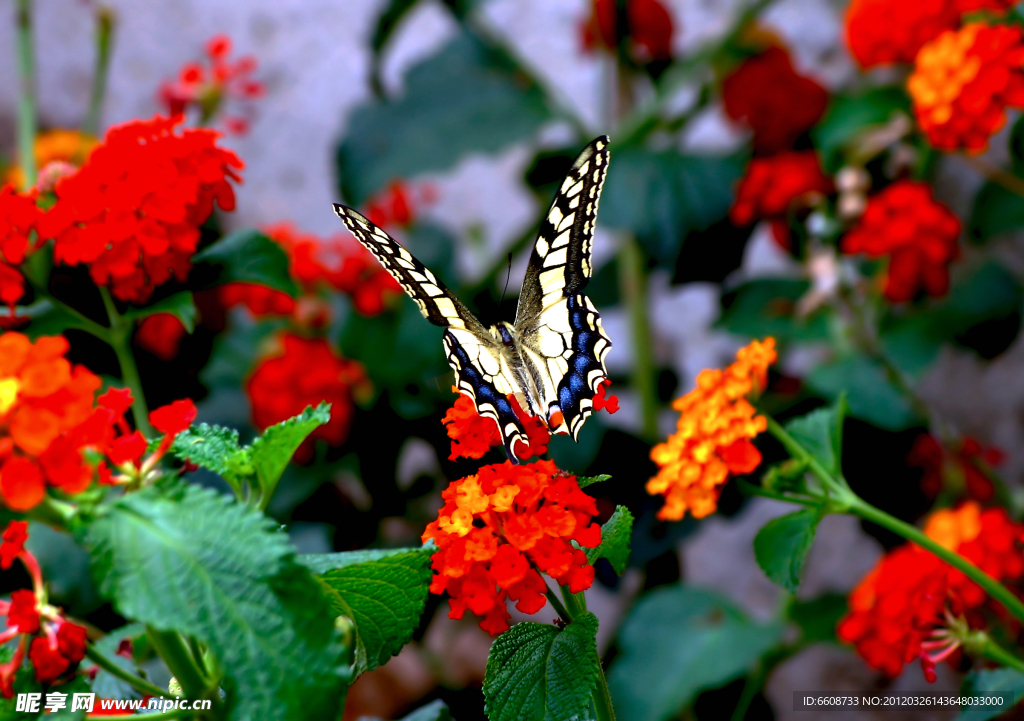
x=590, y=346
x=437, y=304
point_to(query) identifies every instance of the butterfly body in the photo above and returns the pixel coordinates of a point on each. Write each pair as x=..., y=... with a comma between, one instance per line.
x=551, y=360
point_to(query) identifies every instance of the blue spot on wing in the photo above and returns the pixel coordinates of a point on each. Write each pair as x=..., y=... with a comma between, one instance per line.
x=573, y=388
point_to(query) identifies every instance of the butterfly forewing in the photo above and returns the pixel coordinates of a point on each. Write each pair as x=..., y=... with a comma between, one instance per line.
x=555, y=321
x=476, y=357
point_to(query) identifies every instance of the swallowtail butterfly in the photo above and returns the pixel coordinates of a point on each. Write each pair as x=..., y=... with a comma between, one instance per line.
x=552, y=358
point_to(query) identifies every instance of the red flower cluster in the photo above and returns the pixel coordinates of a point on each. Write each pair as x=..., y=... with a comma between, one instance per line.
x=18, y=216
x=207, y=88
x=900, y=605
x=133, y=211
x=777, y=185
x=963, y=83
x=879, y=32
x=649, y=29
x=776, y=102
x=918, y=233
x=161, y=335
x=503, y=527
x=55, y=645
x=306, y=372
x=961, y=469
x=473, y=435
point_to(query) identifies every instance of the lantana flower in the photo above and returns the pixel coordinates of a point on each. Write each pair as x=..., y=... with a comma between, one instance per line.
x=18, y=216
x=716, y=425
x=649, y=29
x=902, y=610
x=500, y=529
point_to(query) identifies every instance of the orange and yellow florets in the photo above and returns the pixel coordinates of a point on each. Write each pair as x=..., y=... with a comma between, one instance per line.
x=716, y=424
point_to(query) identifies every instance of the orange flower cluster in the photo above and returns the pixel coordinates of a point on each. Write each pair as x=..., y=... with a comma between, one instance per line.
x=473, y=435
x=879, y=32
x=58, y=153
x=917, y=233
x=306, y=372
x=776, y=102
x=132, y=212
x=716, y=424
x=500, y=529
x=964, y=81
x=42, y=396
x=18, y=215
x=903, y=601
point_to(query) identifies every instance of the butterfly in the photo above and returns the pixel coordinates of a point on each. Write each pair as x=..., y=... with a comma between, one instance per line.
x=551, y=360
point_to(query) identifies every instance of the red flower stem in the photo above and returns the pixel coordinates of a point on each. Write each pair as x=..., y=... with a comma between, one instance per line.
x=139, y=684
x=843, y=500
x=633, y=285
x=26, y=94
x=119, y=339
x=104, y=38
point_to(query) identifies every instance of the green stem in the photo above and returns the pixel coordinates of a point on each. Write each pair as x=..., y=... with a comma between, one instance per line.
x=173, y=650
x=576, y=606
x=751, y=686
x=26, y=94
x=119, y=340
x=981, y=644
x=844, y=500
x=104, y=36
x=633, y=284
x=563, y=613
x=136, y=682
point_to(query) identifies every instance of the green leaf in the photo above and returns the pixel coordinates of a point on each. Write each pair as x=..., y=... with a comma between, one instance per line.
x=468, y=98
x=768, y=307
x=871, y=396
x=183, y=558
x=818, y=617
x=382, y=591
x=661, y=196
x=537, y=672
x=433, y=711
x=1005, y=682
x=996, y=211
x=615, y=537
x=245, y=256
x=180, y=305
x=49, y=318
x=272, y=450
x=849, y=116
x=585, y=481
x=106, y=684
x=215, y=448
x=781, y=546
x=820, y=432
x=678, y=642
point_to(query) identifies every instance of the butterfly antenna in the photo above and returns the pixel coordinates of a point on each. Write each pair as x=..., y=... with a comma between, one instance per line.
x=507, y=276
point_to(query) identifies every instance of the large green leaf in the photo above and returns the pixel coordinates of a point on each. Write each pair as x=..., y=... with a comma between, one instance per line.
x=382, y=591
x=180, y=305
x=849, y=116
x=661, y=196
x=538, y=672
x=996, y=211
x=871, y=396
x=468, y=98
x=781, y=546
x=245, y=256
x=1006, y=683
x=615, y=537
x=184, y=558
x=820, y=432
x=678, y=642
x=768, y=307
x=276, y=446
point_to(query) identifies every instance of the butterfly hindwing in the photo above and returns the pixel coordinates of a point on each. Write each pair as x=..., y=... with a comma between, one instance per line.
x=555, y=320
x=476, y=357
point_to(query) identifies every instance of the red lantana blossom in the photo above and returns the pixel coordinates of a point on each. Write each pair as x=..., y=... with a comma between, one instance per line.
x=161, y=335
x=961, y=469
x=776, y=102
x=473, y=435
x=18, y=215
x=649, y=30
x=964, y=81
x=132, y=212
x=500, y=529
x=306, y=372
x=905, y=600
x=776, y=186
x=259, y=299
x=206, y=88
x=919, y=234
x=55, y=645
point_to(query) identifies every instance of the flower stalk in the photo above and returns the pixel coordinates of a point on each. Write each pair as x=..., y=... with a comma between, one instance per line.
x=633, y=284
x=576, y=605
x=26, y=94
x=139, y=684
x=119, y=337
x=104, y=40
